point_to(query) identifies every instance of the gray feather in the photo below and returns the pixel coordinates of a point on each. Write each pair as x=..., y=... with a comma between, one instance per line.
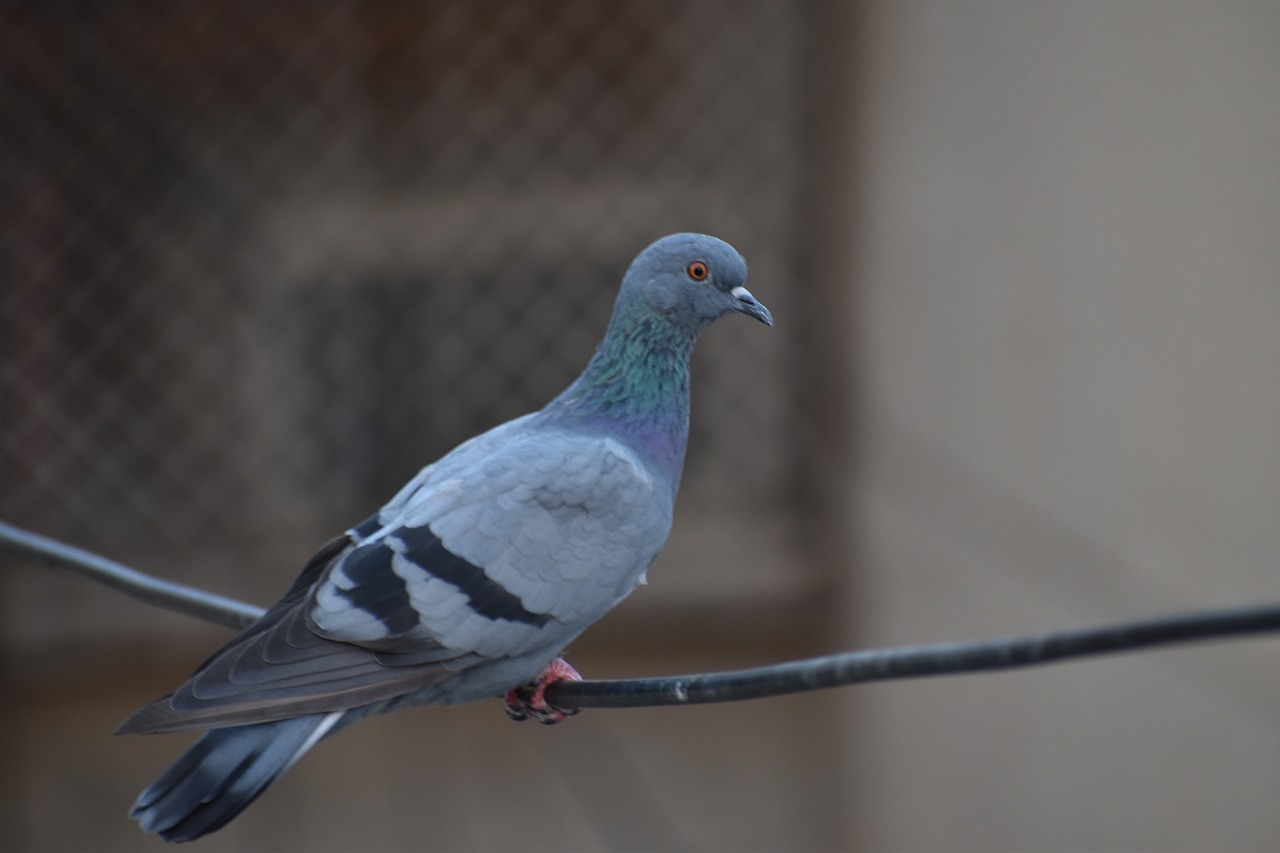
x=222, y=773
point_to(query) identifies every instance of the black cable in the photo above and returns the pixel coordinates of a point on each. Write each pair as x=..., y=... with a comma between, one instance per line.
x=171, y=596
x=774, y=680
x=916, y=661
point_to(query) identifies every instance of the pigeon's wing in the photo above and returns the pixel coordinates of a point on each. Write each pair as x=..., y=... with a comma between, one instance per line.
x=502, y=557
x=509, y=556
x=277, y=668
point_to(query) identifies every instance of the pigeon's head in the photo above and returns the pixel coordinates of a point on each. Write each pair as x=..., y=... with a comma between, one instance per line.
x=691, y=279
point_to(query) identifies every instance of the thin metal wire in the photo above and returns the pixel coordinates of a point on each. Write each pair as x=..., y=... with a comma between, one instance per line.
x=790, y=677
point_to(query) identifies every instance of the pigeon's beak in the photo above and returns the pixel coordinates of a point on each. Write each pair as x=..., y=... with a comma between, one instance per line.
x=747, y=304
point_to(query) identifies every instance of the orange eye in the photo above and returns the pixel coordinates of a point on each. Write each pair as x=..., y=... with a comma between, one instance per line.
x=697, y=271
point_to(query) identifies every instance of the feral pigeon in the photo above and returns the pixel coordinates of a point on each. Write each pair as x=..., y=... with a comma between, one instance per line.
x=471, y=581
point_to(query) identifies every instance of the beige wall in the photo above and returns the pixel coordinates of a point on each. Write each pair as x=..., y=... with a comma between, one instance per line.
x=1067, y=262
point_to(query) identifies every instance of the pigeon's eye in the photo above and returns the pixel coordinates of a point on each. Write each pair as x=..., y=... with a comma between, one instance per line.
x=697, y=271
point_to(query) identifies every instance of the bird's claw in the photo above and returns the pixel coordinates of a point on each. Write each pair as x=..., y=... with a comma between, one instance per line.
x=530, y=700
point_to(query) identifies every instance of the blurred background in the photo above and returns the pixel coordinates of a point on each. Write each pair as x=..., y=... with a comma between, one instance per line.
x=260, y=262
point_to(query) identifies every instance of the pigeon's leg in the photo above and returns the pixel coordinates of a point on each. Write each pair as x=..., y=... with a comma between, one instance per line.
x=530, y=700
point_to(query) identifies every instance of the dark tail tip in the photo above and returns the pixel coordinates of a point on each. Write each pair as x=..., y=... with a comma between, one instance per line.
x=222, y=773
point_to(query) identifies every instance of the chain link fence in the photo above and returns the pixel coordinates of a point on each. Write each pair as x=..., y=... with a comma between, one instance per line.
x=263, y=261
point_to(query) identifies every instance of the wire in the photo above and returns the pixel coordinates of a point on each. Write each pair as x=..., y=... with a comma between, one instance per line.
x=916, y=661
x=171, y=596
x=790, y=677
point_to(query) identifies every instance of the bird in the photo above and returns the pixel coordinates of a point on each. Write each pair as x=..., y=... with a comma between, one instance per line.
x=471, y=581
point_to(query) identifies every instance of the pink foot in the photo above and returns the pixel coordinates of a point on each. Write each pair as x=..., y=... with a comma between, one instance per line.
x=530, y=700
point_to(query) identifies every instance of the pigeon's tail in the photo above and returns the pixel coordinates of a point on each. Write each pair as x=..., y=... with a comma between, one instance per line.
x=223, y=772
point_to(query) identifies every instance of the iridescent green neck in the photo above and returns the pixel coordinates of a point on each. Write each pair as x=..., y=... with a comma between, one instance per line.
x=636, y=387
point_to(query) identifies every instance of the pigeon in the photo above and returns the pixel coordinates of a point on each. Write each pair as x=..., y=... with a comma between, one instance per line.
x=474, y=578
